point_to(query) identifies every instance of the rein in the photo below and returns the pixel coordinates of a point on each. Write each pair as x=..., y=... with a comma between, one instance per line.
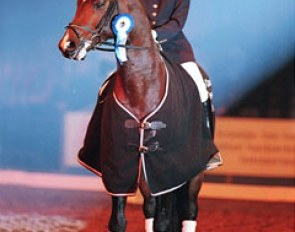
x=113, y=45
x=96, y=33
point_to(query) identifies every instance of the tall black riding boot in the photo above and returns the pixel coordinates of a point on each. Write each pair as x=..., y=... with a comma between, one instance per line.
x=209, y=115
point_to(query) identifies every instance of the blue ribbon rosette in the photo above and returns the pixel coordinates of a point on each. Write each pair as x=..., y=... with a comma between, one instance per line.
x=121, y=26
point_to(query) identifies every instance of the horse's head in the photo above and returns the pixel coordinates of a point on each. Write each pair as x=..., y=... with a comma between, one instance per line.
x=141, y=83
x=89, y=28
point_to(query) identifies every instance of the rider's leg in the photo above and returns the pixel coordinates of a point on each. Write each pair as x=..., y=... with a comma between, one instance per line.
x=118, y=221
x=209, y=116
x=205, y=90
x=193, y=70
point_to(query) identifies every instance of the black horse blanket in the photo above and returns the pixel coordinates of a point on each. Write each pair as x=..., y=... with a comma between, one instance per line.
x=171, y=145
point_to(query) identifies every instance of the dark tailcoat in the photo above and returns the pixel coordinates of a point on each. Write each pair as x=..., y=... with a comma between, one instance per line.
x=168, y=17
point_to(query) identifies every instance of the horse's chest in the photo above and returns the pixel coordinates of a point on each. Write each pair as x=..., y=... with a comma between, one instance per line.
x=168, y=136
x=168, y=125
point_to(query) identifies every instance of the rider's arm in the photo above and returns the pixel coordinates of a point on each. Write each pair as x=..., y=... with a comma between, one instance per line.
x=177, y=20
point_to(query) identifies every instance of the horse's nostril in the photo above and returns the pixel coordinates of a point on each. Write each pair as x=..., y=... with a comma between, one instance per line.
x=72, y=45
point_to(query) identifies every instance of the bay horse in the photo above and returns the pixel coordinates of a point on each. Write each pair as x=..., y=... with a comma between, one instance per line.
x=134, y=138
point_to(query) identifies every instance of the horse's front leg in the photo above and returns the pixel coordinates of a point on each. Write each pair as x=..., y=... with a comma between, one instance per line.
x=189, y=203
x=149, y=210
x=118, y=221
x=149, y=205
x=157, y=210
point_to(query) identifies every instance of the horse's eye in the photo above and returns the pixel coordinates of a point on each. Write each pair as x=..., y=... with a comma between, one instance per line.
x=98, y=3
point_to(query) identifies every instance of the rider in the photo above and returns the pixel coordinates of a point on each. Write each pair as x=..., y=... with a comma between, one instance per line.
x=167, y=18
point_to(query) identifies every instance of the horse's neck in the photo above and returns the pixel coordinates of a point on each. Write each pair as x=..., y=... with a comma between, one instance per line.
x=140, y=84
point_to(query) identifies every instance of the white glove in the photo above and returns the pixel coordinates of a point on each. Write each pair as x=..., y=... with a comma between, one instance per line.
x=155, y=35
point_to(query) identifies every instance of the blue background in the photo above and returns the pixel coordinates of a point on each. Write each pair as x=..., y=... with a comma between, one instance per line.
x=239, y=43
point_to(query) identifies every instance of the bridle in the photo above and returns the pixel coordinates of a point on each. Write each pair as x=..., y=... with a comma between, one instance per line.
x=96, y=32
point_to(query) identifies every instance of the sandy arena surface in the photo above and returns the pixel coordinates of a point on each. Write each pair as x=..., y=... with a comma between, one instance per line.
x=24, y=209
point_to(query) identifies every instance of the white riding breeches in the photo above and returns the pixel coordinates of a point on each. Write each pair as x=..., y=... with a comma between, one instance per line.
x=193, y=70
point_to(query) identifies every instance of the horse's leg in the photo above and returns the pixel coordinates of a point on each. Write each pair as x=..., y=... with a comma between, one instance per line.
x=189, y=203
x=118, y=221
x=164, y=213
x=149, y=205
x=190, y=192
x=157, y=210
x=149, y=209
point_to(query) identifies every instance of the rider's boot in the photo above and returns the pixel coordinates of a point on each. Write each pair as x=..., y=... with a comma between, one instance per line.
x=216, y=159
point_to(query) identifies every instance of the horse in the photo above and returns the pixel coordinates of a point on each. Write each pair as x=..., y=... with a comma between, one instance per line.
x=169, y=179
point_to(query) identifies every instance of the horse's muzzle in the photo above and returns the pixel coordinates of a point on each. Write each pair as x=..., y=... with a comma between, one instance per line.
x=66, y=46
x=73, y=50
